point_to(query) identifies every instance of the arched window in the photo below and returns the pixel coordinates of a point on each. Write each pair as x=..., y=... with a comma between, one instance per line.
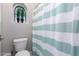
x=20, y=13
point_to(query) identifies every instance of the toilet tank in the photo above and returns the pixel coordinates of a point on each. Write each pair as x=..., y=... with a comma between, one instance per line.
x=20, y=44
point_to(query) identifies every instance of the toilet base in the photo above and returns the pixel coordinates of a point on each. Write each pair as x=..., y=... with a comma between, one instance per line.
x=13, y=52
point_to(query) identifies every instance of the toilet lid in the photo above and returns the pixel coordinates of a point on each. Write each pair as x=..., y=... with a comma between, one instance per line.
x=23, y=53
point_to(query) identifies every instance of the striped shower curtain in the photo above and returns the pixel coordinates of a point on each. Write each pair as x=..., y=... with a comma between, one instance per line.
x=56, y=29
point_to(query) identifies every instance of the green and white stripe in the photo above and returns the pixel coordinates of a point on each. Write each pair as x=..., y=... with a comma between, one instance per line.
x=61, y=18
x=60, y=36
x=56, y=29
x=48, y=47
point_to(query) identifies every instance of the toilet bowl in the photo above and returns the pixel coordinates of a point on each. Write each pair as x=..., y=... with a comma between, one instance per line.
x=20, y=47
x=23, y=53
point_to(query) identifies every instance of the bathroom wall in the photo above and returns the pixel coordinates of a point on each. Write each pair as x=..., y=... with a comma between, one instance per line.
x=12, y=30
x=0, y=19
x=0, y=28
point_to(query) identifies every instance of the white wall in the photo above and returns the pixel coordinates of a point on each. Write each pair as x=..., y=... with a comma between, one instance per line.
x=0, y=28
x=0, y=18
x=12, y=30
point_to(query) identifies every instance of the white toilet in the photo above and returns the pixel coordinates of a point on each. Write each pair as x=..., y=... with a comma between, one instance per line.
x=20, y=47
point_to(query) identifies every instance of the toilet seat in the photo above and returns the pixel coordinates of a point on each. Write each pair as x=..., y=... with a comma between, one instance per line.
x=23, y=53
